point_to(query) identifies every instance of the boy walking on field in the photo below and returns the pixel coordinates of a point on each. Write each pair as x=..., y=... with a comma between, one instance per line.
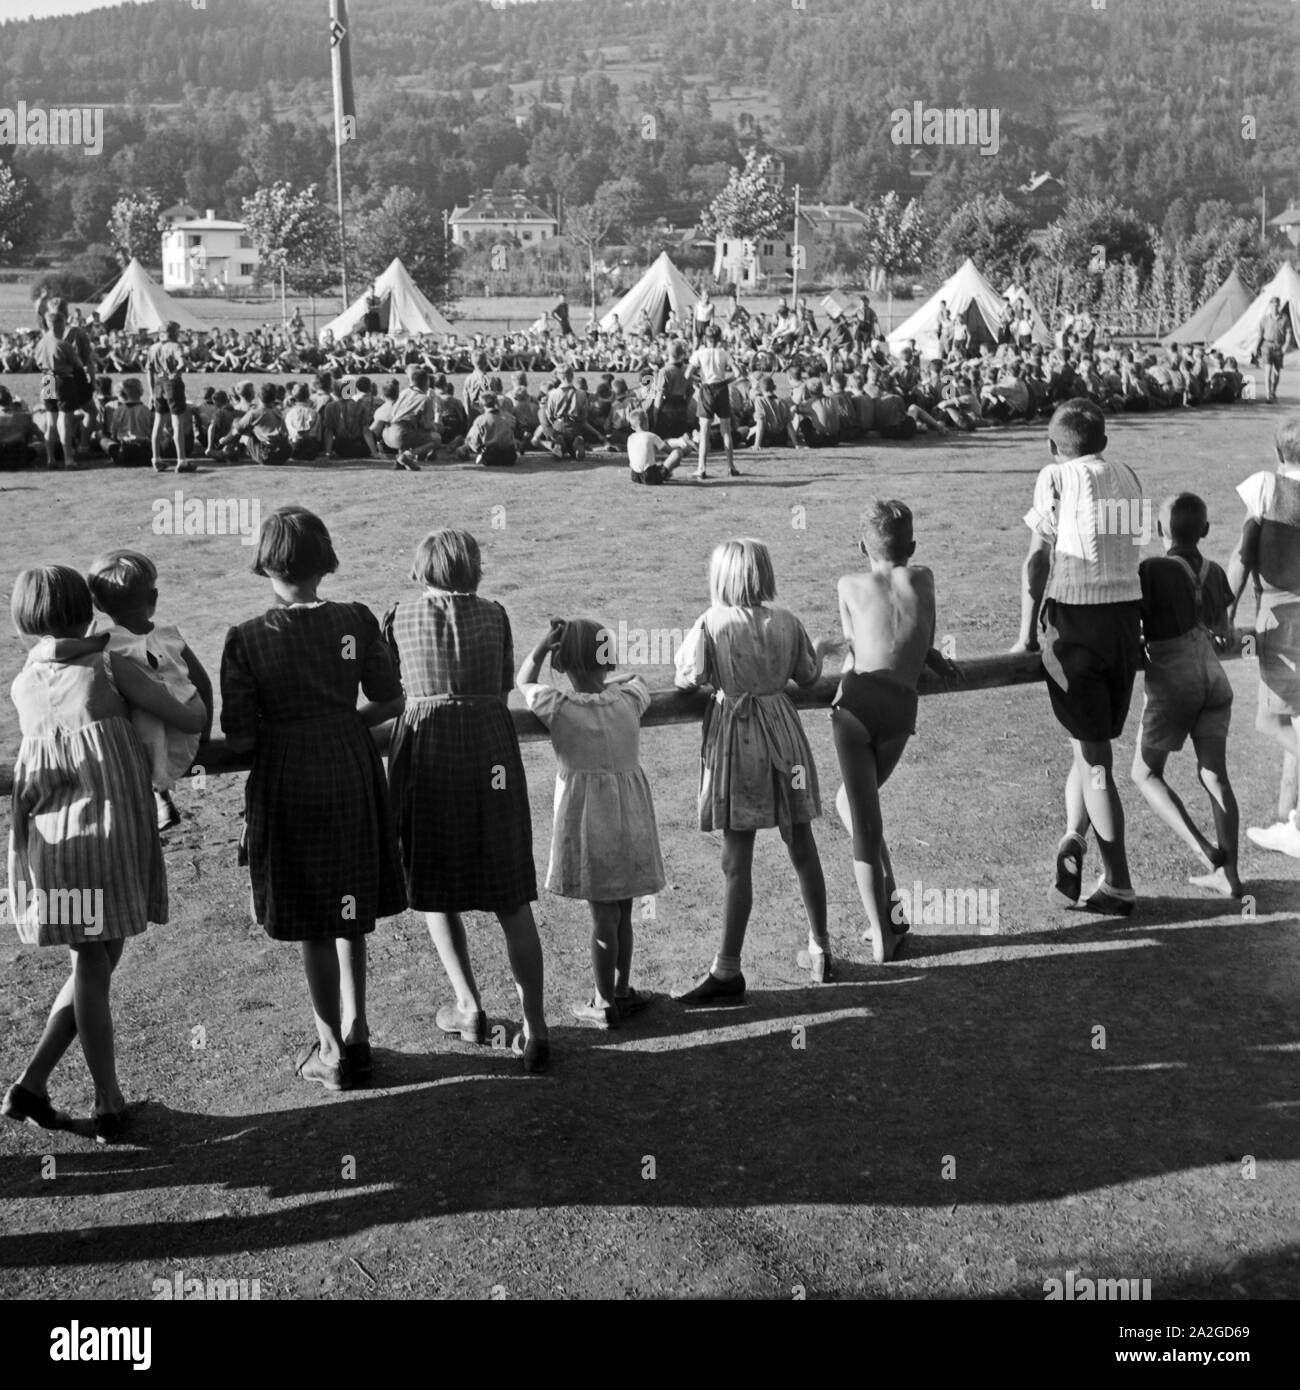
x=888, y=617
x=1081, y=577
x=1185, y=603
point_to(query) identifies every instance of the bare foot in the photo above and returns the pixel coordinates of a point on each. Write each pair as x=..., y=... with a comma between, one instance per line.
x=1220, y=881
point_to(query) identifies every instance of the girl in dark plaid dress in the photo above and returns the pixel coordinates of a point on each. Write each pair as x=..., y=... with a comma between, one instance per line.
x=457, y=783
x=318, y=837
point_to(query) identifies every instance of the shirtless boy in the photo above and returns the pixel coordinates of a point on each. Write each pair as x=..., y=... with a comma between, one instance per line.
x=888, y=618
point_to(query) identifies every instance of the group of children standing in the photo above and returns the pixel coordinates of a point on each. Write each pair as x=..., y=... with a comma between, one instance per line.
x=333, y=843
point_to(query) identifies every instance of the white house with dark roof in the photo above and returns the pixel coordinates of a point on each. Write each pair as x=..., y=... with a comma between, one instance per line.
x=763, y=258
x=502, y=215
x=203, y=253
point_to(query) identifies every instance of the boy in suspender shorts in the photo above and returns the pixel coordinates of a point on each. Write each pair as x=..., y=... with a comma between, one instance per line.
x=1185, y=623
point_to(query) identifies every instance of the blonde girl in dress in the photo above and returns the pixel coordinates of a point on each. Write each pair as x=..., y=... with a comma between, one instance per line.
x=756, y=766
x=605, y=847
x=85, y=861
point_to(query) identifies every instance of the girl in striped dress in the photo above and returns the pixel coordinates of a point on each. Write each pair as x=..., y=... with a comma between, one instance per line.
x=85, y=862
x=318, y=839
x=457, y=783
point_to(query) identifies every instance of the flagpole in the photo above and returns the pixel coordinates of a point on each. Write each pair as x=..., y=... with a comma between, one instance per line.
x=345, y=114
x=343, y=236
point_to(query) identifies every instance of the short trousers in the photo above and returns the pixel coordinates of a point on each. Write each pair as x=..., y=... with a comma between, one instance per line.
x=306, y=447
x=64, y=394
x=886, y=708
x=1273, y=357
x=171, y=399
x=350, y=448
x=903, y=429
x=401, y=437
x=1187, y=693
x=1277, y=646
x=654, y=474
x=1091, y=653
x=131, y=453
x=498, y=456
x=714, y=401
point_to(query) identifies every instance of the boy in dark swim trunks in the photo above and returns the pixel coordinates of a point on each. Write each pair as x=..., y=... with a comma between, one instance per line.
x=888, y=618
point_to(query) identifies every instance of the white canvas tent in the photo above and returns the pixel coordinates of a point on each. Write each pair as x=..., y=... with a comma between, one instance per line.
x=1016, y=295
x=1239, y=340
x=404, y=311
x=136, y=302
x=1216, y=316
x=968, y=295
x=659, y=291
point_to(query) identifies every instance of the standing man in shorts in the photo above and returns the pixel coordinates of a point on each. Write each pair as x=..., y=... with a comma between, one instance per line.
x=166, y=366
x=1081, y=578
x=712, y=369
x=1271, y=344
x=67, y=379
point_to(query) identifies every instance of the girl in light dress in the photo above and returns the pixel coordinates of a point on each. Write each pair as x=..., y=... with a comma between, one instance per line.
x=85, y=862
x=757, y=767
x=605, y=846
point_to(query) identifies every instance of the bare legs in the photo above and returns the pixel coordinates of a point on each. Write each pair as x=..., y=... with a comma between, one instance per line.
x=524, y=948
x=737, y=872
x=1221, y=857
x=81, y=1010
x=865, y=768
x=611, y=949
x=1091, y=798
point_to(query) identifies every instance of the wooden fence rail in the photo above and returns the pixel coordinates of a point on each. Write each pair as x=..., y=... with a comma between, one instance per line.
x=687, y=706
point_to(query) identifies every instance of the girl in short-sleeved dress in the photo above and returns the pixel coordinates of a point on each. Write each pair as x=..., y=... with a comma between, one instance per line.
x=605, y=846
x=756, y=765
x=457, y=785
x=318, y=834
x=85, y=862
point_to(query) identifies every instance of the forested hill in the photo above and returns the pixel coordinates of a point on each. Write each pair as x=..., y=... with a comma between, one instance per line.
x=1143, y=99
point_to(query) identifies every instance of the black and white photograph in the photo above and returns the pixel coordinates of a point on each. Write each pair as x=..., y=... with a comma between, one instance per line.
x=652, y=654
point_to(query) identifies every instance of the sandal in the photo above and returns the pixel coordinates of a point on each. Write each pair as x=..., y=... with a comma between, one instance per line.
x=309, y=1065
x=28, y=1108
x=601, y=1015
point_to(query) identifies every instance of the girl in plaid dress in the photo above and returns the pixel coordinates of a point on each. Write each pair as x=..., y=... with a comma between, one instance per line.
x=85, y=862
x=318, y=838
x=457, y=783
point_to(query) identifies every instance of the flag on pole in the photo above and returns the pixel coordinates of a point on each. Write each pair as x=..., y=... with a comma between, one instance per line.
x=345, y=107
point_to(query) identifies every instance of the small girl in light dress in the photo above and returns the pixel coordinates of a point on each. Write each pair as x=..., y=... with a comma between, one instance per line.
x=605, y=846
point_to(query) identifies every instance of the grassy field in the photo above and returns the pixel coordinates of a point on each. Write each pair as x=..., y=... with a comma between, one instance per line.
x=943, y=1127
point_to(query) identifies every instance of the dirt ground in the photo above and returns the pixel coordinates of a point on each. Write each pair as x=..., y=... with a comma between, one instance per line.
x=947, y=1126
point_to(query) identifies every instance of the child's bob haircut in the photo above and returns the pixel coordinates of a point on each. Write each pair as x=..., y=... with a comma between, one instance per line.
x=49, y=598
x=887, y=530
x=585, y=645
x=294, y=545
x=448, y=559
x=122, y=579
x=741, y=574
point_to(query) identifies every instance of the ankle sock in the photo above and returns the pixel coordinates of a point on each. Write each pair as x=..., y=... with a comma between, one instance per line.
x=818, y=947
x=725, y=967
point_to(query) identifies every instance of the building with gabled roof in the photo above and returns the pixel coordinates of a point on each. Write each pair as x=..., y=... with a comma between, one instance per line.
x=502, y=215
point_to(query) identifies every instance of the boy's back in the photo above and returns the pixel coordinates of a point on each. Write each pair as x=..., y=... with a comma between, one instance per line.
x=890, y=617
